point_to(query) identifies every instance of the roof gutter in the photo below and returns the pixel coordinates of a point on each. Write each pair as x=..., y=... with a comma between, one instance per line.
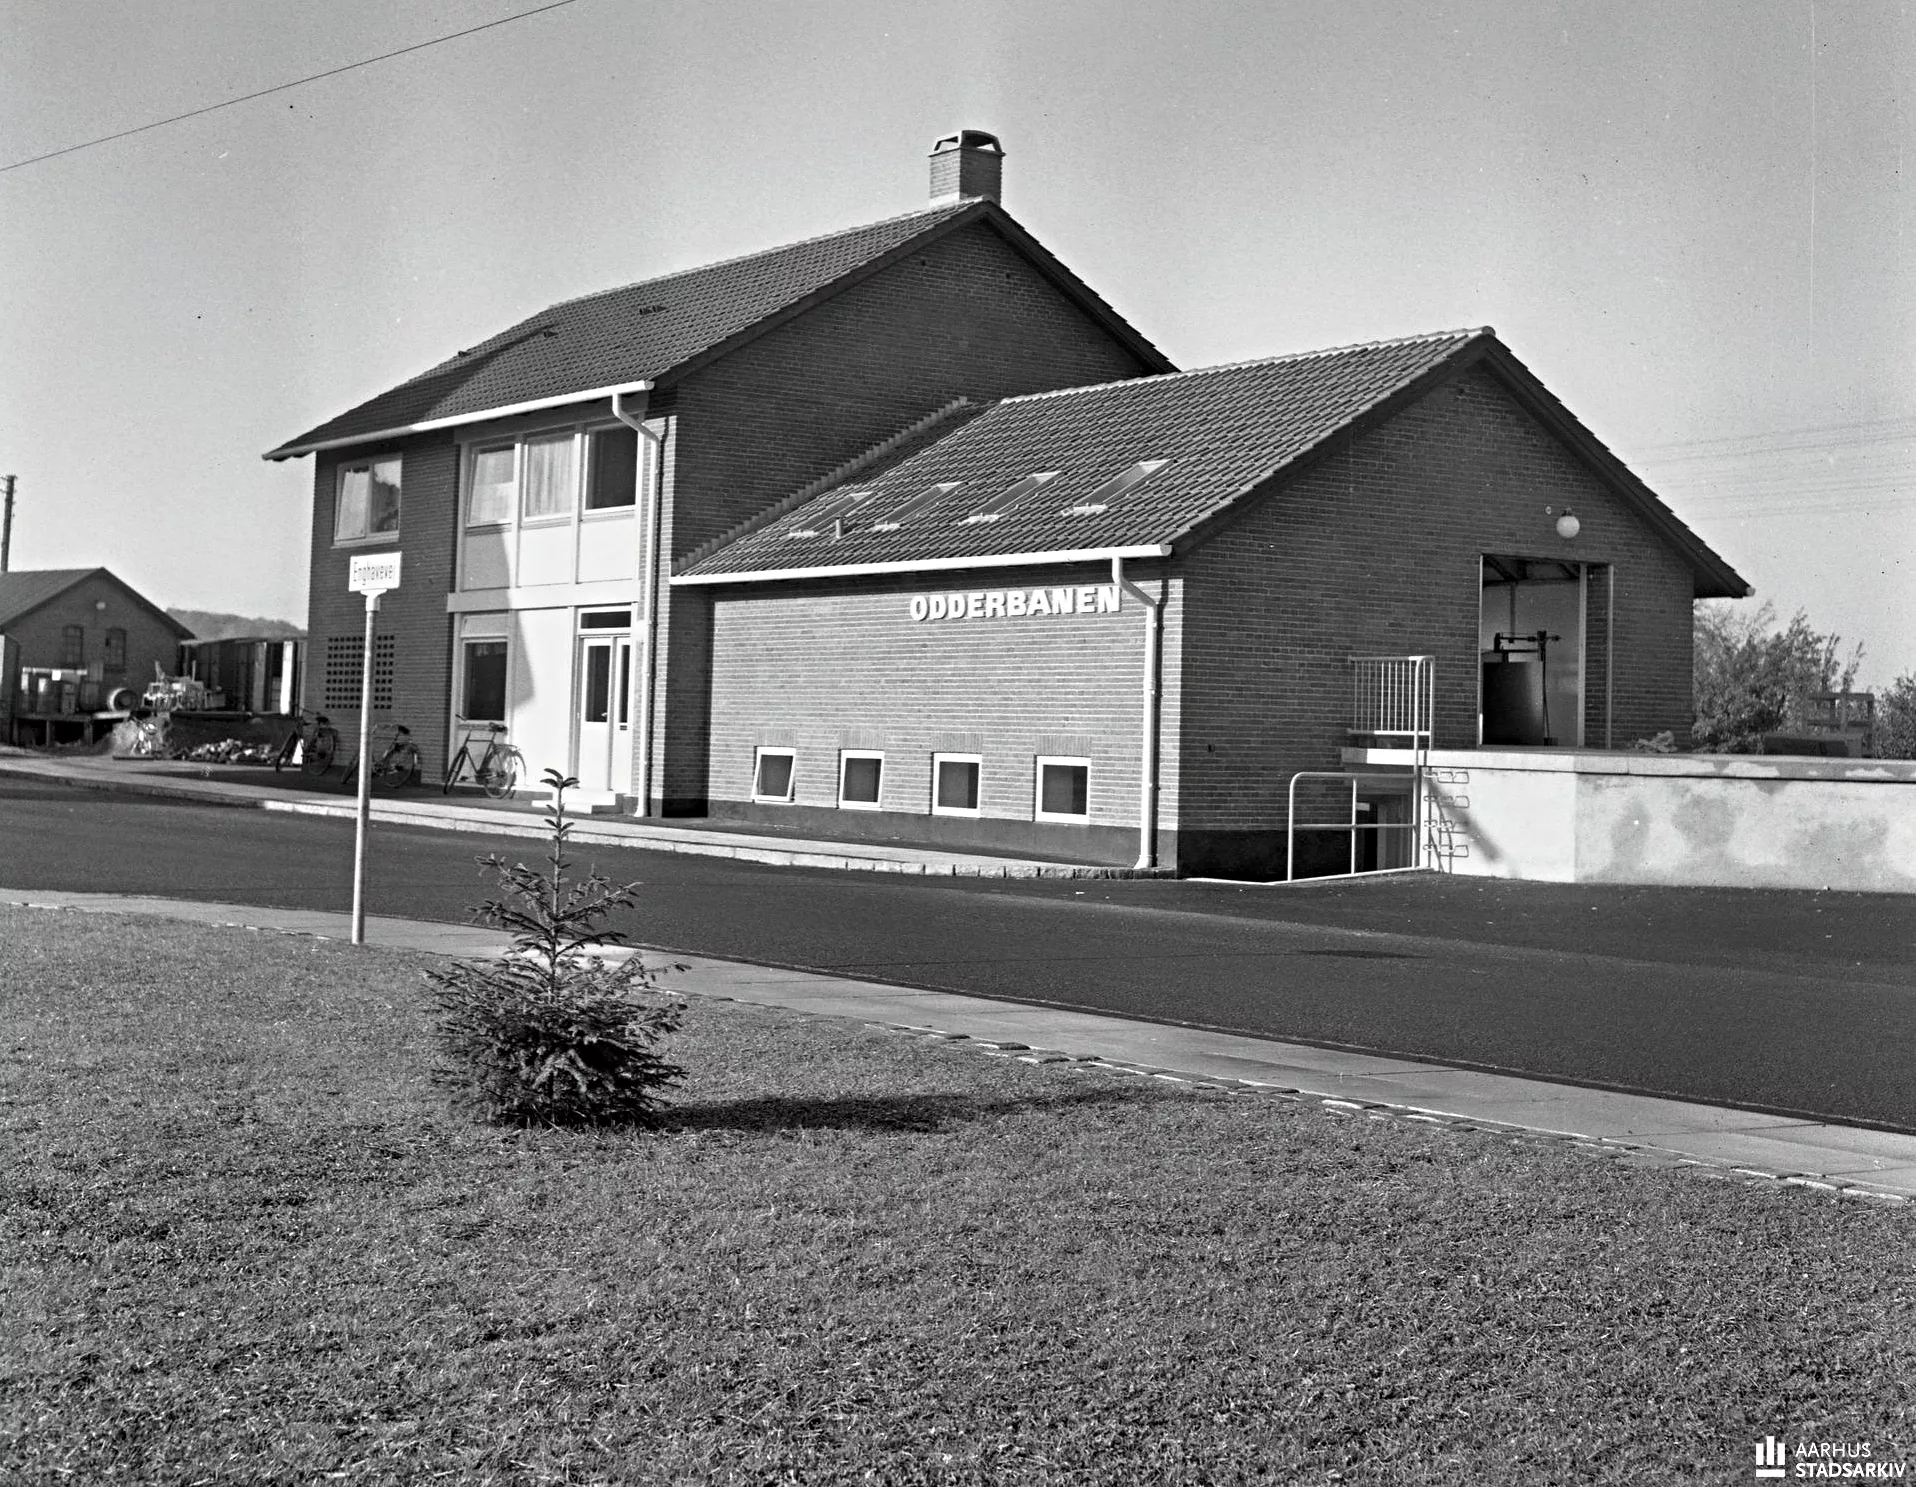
x=431, y=425
x=935, y=565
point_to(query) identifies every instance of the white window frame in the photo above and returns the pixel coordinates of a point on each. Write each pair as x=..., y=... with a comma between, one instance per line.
x=845, y=756
x=580, y=432
x=465, y=658
x=791, y=780
x=574, y=503
x=473, y=453
x=368, y=463
x=977, y=762
x=1038, y=812
x=587, y=434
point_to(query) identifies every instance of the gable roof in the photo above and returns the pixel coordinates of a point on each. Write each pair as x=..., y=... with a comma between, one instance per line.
x=661, y=329
x=1222, y=433
x=23, y=592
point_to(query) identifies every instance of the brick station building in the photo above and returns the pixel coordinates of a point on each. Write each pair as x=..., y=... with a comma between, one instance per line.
x=904, y=533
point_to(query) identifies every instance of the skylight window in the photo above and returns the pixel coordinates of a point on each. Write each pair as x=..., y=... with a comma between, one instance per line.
x=999, y=504
x=1129, y=480
x=827, y=513
x=931, y=495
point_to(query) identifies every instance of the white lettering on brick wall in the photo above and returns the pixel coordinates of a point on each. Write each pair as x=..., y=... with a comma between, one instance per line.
x=1017, y=604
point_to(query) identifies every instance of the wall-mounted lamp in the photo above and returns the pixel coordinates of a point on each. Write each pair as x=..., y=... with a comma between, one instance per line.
x=1567, y=525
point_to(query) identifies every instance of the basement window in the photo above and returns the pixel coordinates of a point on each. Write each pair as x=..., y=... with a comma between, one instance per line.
x=861, y=775
x=954, y=784
x=772, y=774
x=1064, y=790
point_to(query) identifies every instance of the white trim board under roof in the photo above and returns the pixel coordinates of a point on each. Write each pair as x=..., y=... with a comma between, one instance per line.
x=930, y=565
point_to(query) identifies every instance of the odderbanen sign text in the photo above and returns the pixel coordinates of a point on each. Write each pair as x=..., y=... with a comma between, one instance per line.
x=1016, y=604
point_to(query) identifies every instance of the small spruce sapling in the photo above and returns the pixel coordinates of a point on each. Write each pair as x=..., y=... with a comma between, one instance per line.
x=551, y=1034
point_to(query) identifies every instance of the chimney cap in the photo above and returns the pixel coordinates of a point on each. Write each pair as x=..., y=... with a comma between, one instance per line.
x=968, y=139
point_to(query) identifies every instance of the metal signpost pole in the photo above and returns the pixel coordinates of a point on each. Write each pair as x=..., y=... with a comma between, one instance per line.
x=371, y=576
x=365, y=773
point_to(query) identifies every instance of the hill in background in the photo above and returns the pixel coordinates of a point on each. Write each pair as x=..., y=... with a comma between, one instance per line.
x=209, y=624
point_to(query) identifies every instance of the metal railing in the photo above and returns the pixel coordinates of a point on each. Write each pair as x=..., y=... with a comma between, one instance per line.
x=1393, y=698
x=1351, y=824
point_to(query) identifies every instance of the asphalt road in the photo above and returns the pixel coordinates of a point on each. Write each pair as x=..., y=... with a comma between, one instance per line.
x=1802, y=1004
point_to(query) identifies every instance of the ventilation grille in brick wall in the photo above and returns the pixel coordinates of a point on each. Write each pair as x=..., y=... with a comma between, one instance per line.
x=342, y=671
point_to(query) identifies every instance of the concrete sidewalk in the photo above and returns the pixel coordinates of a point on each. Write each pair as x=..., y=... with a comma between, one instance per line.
x=1847, y=1159
x=170, y=779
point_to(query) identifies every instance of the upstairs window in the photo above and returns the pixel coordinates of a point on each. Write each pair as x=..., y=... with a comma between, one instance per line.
x=547, y=478
x=495, y=487
x=611, y=469
x=368, y=504
x=72, y=646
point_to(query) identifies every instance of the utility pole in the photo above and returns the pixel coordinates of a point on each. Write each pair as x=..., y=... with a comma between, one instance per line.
x=6, y=525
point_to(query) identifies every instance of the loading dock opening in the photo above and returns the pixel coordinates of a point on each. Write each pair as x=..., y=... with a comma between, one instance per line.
x=1531, y=646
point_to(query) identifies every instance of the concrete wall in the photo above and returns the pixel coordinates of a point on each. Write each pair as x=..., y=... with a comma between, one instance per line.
x=1375, y=551
x=1692, y=820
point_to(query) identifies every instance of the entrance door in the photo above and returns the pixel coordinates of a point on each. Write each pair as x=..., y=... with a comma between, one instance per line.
x=603, y=752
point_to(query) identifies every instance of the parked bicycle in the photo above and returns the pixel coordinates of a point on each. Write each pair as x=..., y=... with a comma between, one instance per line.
x=496, y=770
x=395, y=757
x=311, y=746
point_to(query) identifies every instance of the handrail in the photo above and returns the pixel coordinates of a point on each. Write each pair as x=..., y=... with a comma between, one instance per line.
x=1353, y=825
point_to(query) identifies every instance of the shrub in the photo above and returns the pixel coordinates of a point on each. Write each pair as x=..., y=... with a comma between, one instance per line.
x=1752, y=678
x=553, y=1034
x=1895, y=733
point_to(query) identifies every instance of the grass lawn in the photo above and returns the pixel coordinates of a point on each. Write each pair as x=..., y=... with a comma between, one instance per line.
x=242, y=1239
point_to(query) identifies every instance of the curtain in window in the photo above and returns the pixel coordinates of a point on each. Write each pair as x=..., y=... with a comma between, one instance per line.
x=491, y=488
x=548, y=482
x=354, y=488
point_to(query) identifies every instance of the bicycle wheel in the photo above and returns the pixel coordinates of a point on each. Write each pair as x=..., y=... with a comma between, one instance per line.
x=503, y=773
x=285, y=755
x=396, y=766
x=318, y=755
x=460, y=760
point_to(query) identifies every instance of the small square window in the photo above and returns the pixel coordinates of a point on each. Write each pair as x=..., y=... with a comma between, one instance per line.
x=368, y=504
x=772, y=773
x=1064, y=790
x=860, y=779
x=954, y=784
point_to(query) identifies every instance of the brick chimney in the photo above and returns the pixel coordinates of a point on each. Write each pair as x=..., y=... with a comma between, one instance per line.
x=965, y=166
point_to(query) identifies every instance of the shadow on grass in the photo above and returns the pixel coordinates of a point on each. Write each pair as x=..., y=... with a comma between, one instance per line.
x=918, y=1113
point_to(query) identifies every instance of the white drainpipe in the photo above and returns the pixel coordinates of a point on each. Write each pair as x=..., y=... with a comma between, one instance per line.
x=1148, y=769
x=651, y=480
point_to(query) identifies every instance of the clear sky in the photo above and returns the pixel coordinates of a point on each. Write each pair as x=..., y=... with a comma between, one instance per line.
x=1691, y=218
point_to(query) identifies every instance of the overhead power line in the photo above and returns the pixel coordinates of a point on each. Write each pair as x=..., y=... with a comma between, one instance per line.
x=418, y=46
